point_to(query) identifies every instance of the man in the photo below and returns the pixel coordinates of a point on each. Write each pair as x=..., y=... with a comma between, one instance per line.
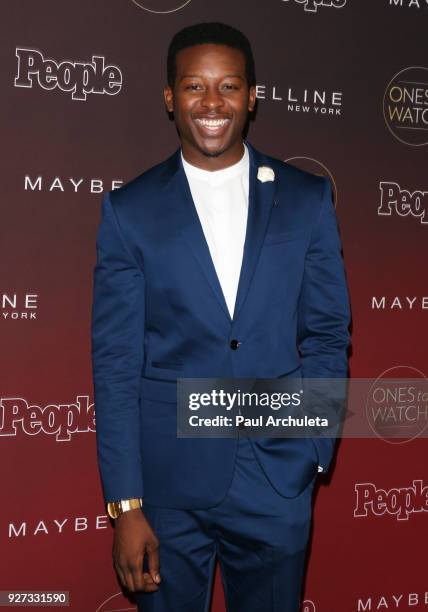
x=218, y=262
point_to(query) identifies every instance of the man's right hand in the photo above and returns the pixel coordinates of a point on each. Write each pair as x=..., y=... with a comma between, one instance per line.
x=134, y=538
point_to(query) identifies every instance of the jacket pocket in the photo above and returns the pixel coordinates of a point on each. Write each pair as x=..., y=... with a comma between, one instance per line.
x=280, y=237
x=167, y=365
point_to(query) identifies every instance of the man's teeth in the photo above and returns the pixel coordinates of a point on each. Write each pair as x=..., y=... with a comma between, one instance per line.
x=212, y=123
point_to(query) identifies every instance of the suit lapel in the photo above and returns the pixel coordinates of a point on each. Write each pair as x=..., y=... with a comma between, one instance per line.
x=191, y=228
x=261, y=196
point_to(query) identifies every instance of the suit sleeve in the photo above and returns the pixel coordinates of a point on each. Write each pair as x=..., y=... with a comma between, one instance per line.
x=324, y=310
x=117, y=333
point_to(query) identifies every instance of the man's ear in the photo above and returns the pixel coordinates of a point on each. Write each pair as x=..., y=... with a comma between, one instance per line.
x=169, y=99
x=252, y=98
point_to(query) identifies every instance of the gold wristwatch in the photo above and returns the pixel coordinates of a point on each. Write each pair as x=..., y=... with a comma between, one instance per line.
x=117, y=508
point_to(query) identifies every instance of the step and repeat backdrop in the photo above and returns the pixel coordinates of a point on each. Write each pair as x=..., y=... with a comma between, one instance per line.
x=342, y=89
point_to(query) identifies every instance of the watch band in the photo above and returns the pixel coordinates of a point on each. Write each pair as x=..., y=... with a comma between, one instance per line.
x=115, y=509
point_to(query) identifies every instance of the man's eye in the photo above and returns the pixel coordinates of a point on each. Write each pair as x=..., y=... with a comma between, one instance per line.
x=193, y=86
x=229, y=86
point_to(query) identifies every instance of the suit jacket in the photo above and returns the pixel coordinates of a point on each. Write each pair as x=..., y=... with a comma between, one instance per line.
x=159, y=313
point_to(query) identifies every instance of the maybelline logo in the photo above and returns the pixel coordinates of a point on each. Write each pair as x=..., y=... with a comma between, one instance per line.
x=19, y=306
x=312, y=5
x=76, y=524
x=402, y=201
x=70, y=76
x=61, y=421
x=398, y=601
x=399, y=502
x=409, y=3
x=396, y=302
x=56, y=183
x=318, y=101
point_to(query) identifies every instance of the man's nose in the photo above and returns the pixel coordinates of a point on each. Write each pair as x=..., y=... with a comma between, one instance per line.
x=212, y=98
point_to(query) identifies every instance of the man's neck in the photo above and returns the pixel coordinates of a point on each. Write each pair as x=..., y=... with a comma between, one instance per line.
x=213, y=163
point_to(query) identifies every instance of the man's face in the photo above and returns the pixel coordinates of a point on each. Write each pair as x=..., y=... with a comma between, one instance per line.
x=210, y=101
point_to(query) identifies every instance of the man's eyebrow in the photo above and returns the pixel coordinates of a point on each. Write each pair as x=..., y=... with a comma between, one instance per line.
x=199, y=76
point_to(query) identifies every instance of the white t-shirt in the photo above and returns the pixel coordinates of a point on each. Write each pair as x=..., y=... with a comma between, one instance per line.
x=221, y=201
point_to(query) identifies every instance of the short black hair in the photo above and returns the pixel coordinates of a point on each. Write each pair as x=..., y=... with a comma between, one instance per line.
x=210, y=33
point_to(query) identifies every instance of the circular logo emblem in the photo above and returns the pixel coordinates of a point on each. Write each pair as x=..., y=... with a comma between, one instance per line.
x=308, y=606
x=116, y=603
x=315, y=167
x=161, y=6
x=397, y=404
x=405, y=106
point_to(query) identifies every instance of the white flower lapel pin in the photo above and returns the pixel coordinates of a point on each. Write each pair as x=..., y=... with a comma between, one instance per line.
x=265, y=174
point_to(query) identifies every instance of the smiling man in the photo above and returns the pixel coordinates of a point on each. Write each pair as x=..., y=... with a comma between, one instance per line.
x=219, y=262
x=212, y=92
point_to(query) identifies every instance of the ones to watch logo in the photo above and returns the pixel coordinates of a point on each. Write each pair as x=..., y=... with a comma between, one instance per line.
x=312, y=5
x=77, y=78
x=116, y=602
x=161, y=6
x=405, y=106
x=397, y=406
x=314, y=166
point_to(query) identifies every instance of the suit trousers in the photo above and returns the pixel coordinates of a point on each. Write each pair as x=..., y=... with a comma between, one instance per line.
x=258, y=536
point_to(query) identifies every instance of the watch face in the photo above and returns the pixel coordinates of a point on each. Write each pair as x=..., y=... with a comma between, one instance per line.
x=113, y=509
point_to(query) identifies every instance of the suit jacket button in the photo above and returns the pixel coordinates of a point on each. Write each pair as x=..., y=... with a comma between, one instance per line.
x=234, y=344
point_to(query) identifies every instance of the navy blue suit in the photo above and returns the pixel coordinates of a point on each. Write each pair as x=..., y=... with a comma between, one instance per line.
x=159, y=313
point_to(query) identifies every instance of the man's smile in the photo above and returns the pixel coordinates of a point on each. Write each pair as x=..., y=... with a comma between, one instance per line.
x=212, y=126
